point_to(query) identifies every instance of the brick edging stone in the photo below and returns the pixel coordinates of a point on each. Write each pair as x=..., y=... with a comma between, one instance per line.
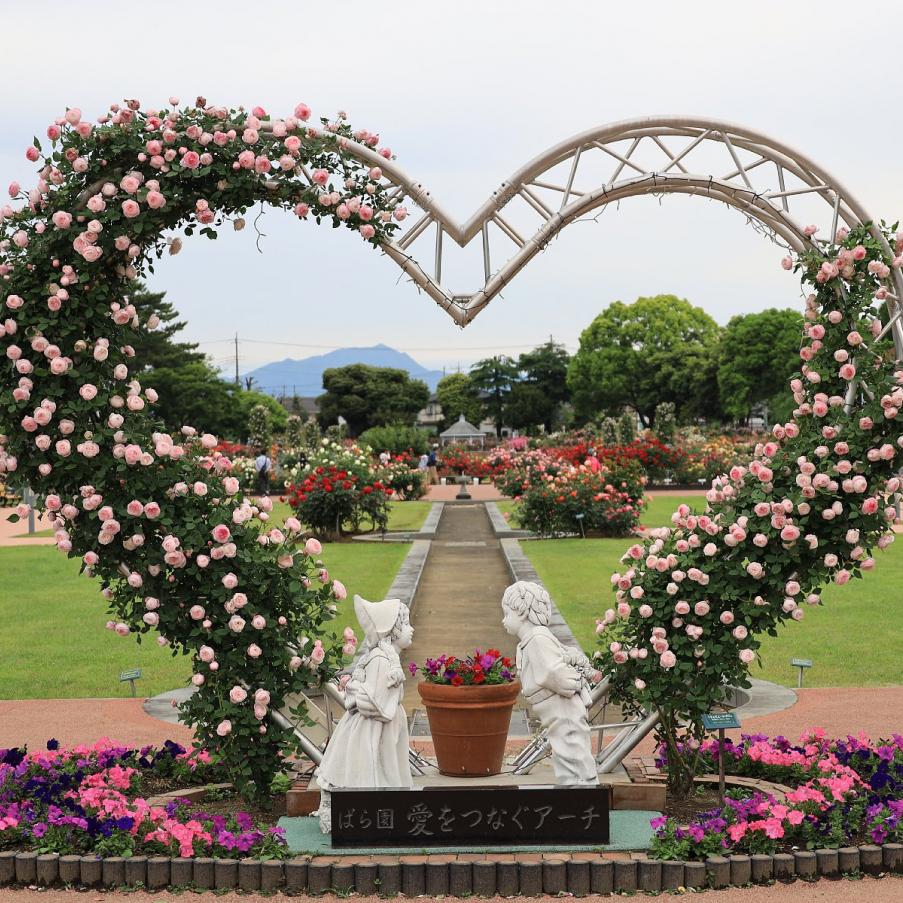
x=466, y=875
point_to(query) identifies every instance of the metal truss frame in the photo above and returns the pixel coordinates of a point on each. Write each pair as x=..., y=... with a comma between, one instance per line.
x=753, y=179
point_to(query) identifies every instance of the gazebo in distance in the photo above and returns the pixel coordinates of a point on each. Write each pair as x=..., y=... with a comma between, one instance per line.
x=462, y=432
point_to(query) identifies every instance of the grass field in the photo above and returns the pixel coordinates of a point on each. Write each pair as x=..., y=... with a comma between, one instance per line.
x=53, y=643
x=853, y=640
x=402, y=515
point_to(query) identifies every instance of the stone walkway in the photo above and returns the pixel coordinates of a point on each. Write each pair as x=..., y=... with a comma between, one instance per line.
x=482, y=492
x=17, y=534
x=457, y=607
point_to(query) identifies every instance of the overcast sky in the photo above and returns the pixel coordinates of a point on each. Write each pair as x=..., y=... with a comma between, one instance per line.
x=465, y=92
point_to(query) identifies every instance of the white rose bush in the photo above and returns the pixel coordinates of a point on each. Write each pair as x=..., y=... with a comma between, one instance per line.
x=159, y=519
x=807, y=511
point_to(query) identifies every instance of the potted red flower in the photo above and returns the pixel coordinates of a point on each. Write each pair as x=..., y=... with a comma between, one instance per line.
x=468, y=702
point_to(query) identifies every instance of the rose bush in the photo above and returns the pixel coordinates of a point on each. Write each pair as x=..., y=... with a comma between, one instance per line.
x=159, y=519
x=808, y=510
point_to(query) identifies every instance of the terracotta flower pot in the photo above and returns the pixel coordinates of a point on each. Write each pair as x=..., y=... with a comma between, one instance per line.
x=469, y=725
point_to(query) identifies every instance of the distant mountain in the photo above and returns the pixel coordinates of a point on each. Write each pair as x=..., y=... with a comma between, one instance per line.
x=305, y=377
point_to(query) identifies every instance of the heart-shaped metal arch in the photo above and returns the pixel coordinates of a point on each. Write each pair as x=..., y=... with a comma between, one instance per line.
x=761, y=177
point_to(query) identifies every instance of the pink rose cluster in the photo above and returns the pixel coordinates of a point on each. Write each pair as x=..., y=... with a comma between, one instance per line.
x=159, y=517
x=810, y=508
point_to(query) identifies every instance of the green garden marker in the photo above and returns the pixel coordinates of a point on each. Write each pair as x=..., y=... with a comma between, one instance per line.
x=720, y=721
x=131, y=677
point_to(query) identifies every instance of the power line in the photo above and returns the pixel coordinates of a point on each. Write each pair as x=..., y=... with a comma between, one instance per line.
x=409, y=348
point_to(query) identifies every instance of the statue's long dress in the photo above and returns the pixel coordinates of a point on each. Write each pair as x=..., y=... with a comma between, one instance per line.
x=369, y=747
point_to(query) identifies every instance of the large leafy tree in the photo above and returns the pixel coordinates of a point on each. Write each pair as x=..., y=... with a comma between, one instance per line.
x=758, y=355
x=637, y=355
x=538, y=398
x=195, y=394
x=457, y=395
x=494, y=377
x=366, y=396
x=159, y=347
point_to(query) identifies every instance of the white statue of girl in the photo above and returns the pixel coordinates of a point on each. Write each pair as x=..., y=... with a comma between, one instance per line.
x=555, y=681
x=369, y=747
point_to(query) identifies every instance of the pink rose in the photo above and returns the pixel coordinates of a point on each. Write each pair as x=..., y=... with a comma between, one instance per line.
x=155, y=200
x=152, y=510
x=254, y=651
x=221, y=533
x=191, y=160
x=747, y=656
x=130, y=208
x=230, y=581
x=302, y=112
x=196, y=612
x=320, y=176
x=224, y=727
x=318, y=653
x=238, y=694
x=667, y=659
x=313, y=547
x=338, y=589
x=285, y=561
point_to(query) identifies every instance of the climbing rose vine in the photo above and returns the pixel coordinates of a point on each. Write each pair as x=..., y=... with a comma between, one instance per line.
x=158, y=518
x=810, y=508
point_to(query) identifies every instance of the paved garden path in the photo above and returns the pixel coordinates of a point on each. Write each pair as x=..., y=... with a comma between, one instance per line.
x=17, y=534
x=457, y=607
x=482, y=492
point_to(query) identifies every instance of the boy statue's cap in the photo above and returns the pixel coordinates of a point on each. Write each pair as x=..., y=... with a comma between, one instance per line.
x=376, y=618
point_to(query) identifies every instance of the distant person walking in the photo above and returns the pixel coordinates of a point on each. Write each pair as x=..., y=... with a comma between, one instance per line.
x=384, y=458
x=424, y=462
x=592, y=462
x=263, y=467
x=432, y=464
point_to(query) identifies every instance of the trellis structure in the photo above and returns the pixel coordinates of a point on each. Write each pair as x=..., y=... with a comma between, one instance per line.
x=778, y=188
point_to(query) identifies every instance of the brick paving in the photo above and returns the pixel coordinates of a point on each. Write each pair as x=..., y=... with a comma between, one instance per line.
x=17, y=534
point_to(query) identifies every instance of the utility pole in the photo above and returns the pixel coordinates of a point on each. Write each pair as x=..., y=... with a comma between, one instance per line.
x=237, y=380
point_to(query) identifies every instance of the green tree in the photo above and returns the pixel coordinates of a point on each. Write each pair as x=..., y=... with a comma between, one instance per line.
x=368, y=396
x=196, y=395
x=495, y=376
x=528, y=407
x=758, y=355
x=544, y=368
x=457, y=395
x=158, y=347
x=637, y=355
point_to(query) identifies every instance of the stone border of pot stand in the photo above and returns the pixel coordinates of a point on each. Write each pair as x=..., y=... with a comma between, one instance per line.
x=524, y=874
x=501, y=527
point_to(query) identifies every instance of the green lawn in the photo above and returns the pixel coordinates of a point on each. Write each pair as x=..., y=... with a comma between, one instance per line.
x=659, y=508
x=853, y=640
x=402, y=515
x=657, y=513
x=52, y=638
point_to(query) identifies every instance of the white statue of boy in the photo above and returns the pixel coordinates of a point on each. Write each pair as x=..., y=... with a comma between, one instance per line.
x=369, y=747
x=555, y=681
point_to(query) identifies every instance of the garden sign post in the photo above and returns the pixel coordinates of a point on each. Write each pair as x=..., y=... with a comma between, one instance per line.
x=720, y=721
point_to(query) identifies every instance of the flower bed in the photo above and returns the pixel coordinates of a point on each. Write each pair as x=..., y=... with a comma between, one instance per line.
x=845, y=791
x=91, y=799
x=490, y=667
